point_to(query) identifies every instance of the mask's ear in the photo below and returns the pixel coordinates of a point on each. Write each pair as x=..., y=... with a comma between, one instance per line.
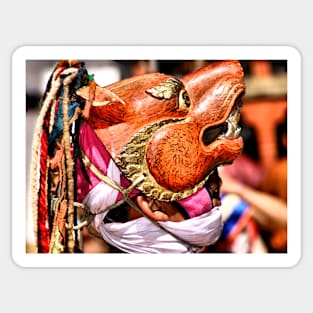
x=149, y=207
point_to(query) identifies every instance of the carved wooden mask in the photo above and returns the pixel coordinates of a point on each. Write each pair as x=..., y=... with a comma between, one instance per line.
x=173, y=132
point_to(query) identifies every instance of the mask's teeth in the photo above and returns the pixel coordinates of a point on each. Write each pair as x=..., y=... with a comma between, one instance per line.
x=233, y=131
x=237, y=132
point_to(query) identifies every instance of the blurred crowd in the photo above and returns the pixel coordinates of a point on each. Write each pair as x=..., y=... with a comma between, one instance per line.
x=254, y=200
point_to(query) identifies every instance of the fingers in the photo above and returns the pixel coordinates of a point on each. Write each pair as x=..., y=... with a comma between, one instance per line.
x=150, y=208
x=214, y=184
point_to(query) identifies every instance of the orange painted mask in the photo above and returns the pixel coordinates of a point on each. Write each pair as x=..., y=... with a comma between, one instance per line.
x=171, y=133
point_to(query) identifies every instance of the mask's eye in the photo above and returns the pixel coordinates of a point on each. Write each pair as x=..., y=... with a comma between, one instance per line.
x=183, y=99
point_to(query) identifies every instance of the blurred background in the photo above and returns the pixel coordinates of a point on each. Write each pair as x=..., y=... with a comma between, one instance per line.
x=254, y=191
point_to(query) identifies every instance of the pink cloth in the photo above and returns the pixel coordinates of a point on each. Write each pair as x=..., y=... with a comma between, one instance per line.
x=197, y=204
x=96, y=152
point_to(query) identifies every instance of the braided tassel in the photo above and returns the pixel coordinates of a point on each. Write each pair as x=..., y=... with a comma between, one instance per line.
x=69, y=164
x=42, y=221
x=40, y=159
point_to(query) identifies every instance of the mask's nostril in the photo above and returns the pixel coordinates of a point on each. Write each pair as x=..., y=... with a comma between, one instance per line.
x=211, y=134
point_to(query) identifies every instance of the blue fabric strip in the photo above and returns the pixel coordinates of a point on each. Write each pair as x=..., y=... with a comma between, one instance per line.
x=231, y=222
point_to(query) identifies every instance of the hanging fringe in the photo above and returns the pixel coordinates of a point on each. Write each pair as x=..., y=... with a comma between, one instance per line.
x=52, y=172
x=69, y=164
x=39, y=168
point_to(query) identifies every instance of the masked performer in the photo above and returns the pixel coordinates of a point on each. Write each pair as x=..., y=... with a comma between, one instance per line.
x=138, y=158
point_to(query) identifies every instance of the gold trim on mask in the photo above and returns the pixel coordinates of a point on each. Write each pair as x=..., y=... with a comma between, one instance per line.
x=167, y=89
x=132, y=163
